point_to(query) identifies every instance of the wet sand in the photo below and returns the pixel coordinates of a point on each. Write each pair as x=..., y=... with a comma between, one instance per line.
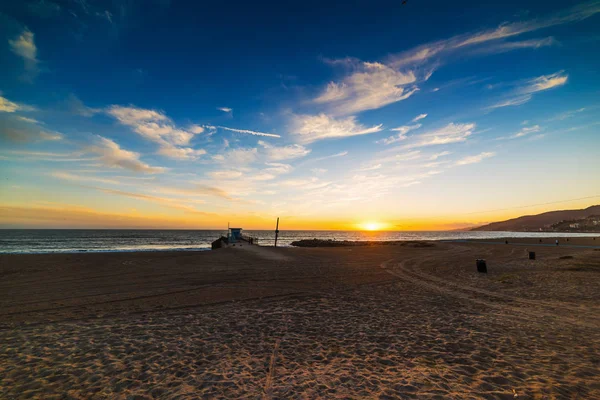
x=394, y=321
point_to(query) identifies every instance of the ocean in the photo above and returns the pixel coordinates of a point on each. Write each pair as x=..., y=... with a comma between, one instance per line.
x=109, y=240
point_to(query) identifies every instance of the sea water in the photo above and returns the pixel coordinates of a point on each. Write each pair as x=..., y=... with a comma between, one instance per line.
x=113, y=240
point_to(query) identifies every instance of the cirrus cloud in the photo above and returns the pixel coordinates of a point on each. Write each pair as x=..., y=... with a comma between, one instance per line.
x=475, y=159
x=157, y=127
x=311, y=128
x=278, y=153
x=112, y=155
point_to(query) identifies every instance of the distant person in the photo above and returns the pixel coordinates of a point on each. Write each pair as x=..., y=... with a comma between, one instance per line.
x=557, y=242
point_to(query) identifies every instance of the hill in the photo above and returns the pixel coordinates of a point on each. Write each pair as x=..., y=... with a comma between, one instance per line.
x=586, y=220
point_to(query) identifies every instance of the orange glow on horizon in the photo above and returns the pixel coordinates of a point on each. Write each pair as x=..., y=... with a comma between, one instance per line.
x=372, y=226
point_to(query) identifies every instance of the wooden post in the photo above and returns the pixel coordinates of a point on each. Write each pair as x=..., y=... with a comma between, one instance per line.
x=276, y=231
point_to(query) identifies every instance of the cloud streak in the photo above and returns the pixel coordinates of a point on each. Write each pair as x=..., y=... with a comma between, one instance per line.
x=245, y=131
x=402, y=131
x=157, y=127
x=311, y=128
x=451, y=133
x=278, y=153
x=474, y=159
x=370, y=86
x=428, y=51
x=525, y=93
x=419, y=117
x=112, y=155
x=24, y=46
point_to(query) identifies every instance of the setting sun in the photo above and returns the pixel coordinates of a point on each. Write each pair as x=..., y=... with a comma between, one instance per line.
x=371, y=226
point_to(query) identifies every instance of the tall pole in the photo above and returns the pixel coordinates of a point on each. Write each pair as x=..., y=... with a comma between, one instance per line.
x=276, y=231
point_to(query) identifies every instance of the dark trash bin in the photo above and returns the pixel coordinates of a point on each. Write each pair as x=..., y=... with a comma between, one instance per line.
x=532, y=255
x=481, y=266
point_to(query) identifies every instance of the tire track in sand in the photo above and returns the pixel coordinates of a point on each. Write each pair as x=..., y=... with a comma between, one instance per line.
x=496, y=301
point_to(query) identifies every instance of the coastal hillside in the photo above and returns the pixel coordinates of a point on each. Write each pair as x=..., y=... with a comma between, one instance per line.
x=585, y=220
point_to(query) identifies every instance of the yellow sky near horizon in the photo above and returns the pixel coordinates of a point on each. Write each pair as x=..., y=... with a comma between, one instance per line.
x=55, y=215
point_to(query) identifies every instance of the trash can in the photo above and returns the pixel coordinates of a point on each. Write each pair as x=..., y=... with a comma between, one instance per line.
x=532, y=255
x=481, y=266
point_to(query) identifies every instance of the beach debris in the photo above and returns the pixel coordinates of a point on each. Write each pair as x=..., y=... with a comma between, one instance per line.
x=481, y=266
x=532, y=255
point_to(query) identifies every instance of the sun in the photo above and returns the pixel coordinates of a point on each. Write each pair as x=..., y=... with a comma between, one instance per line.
x=371, y=226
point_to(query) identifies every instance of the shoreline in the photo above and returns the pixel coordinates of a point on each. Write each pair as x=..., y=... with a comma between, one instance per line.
x=572, y=240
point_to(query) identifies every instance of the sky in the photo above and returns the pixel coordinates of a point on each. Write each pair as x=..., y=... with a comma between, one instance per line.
x=428, y=115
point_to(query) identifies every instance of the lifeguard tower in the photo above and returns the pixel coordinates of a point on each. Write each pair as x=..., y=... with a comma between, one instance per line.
x=235, y=235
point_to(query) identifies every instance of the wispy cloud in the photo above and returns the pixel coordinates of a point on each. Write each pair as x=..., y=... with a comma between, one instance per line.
x=245, y=131
x=225, y=109
x=157, y=127
x=546, y=82
x=506, y=30
x=366, y=168
x=305, y=184
x=515, y=101
x=7, y=105
x=568, y=114
x=372, y=85
x=278, y=153
x=412, y=155
x=369, y=86
x=438, y=155
x=80, y=178
x=311, y=128
x=76, y=106
x=419, y=117
x=475, y=159
x=402, y=131
x=45, y=135
x=525, y=93
x=178, y=204
x=278, y=168
x=27, y=119
x=239, y=156
x=181, y=153
x=11, y=107
x=451, y=133
x=106, y=15
x=336, y=155
x=225, y=174
x=525, y=131
x=24, y=46
x=518, y=45
x=112, y=155
x=48, y=156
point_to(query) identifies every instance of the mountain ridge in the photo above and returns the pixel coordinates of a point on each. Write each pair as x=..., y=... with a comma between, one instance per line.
x=582, y=220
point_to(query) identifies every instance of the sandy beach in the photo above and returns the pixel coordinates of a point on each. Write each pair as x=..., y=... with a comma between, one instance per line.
x=409, y=320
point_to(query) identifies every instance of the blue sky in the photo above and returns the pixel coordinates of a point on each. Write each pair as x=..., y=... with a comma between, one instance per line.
x=427, y=115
